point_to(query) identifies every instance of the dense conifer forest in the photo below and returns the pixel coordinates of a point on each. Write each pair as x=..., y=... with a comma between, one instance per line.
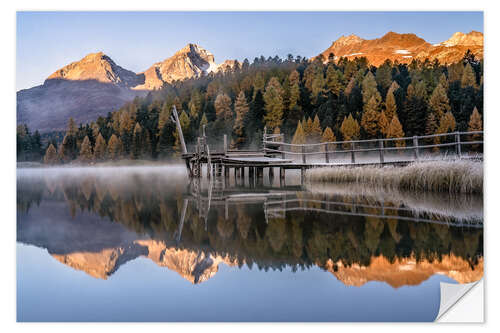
x=318, y=100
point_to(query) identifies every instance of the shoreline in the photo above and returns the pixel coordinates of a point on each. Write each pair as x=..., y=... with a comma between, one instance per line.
x=457, y=177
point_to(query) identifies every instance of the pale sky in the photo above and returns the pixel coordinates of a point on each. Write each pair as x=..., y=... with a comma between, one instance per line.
x=47, y=41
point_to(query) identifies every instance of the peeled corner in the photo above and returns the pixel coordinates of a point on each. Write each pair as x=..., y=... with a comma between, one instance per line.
x=461, y=303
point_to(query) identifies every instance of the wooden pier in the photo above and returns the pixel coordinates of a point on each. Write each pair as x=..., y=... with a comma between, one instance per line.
x=277, y=154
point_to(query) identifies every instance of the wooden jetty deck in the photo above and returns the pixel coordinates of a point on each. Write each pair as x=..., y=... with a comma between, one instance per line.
x=277, y=154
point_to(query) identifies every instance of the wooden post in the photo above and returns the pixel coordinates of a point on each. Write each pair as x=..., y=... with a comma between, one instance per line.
x=459, y=145
x=225, y=144
x=353, y=160
x=327, y=158
x=282, y=176
x=226, y=174
x=415, y=145
x=260, y=175
x=251, y=179
x=302, y=175
x=179, y=130
x=271, y=175
x=303, y=154
x=381, y=150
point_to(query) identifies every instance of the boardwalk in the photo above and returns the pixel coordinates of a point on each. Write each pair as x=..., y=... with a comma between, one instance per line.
x=277, y=154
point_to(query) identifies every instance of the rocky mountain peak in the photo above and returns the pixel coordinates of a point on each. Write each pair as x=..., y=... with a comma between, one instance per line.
x=192, y=61
x=459, y=38
x=96, y=67
x=347, y=40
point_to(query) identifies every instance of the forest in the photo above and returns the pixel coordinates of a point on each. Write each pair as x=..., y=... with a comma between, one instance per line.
x=152, y=206
x=308, y=100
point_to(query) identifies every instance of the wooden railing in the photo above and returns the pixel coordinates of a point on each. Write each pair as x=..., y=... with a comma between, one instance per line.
x=273, y=144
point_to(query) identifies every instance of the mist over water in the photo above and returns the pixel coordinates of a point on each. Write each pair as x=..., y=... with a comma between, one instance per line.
x=146, y=244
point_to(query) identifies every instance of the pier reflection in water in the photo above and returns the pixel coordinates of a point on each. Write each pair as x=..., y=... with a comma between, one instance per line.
x=96, y=221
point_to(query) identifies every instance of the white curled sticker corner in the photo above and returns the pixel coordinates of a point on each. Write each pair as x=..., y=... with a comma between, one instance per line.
x=455, y=305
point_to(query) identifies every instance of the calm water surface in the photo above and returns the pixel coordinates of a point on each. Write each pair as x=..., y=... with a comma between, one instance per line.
x=142, y=244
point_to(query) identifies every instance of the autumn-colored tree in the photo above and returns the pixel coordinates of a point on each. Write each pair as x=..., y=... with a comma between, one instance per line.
x=194, y=104
x=468, y=77
x=223, y=107
x=316, y=131
x=383, y=124
x=393, y=87
x=370, y=117
x=349, y=129
x=390, y=105
x=114, y=147
x=317, y=86
x=273, y=104
x=334, y=80
x=163, y=117
x=294, y=80
x=299, y=137
x=308, y=127
x=475, y=125
x=50, y=155
x=443, y=81
x=241, y=109
x=100, y=148
x=86, y=151
x=447, y=124
x=328, y=136
x=439, y=102
x=369, y=89
x=396, y=131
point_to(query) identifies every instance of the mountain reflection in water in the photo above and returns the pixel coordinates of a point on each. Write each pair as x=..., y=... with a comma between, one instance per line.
x=95, y=221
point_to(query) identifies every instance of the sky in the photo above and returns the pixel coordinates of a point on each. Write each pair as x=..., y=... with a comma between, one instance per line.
x=47, y=41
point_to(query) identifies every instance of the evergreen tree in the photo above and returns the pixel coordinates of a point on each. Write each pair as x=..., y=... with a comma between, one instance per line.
x=383, y=124
x=396, y=131
x=100, y=148
x=475, y=125
x=223, y=107
x=50, y=155
x=274, y=104
x=383, y=76
x=370, y=118
x=328, y=136
x=86, y=155
x=194, y=104
x=390, y=105
x=241, y=108
x=167, y=140
x=299, y=137
x=163, y=117
x=294, y=79
x=475, y=121
x=468, y=77
x=349, y=129
x=393, y=87
x=369, y=89
x=137, y=142
x=439, y=102
x=334, y=80
x=316, y=131
x=114, y=147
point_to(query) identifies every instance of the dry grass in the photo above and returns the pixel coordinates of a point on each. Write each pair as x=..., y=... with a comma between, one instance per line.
x=436, y=176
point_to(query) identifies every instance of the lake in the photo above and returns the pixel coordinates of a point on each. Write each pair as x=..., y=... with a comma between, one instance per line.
x=145, y=244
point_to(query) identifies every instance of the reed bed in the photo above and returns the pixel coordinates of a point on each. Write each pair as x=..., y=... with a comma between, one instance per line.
x=458, y=176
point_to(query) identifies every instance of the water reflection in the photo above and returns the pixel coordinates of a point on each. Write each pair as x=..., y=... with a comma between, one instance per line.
x=97, y=221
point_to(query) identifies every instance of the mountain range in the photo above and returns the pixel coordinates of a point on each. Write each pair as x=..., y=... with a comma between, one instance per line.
x=96, y=85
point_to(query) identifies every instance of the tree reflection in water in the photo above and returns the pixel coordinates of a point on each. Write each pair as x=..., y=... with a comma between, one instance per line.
x=402, y=240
